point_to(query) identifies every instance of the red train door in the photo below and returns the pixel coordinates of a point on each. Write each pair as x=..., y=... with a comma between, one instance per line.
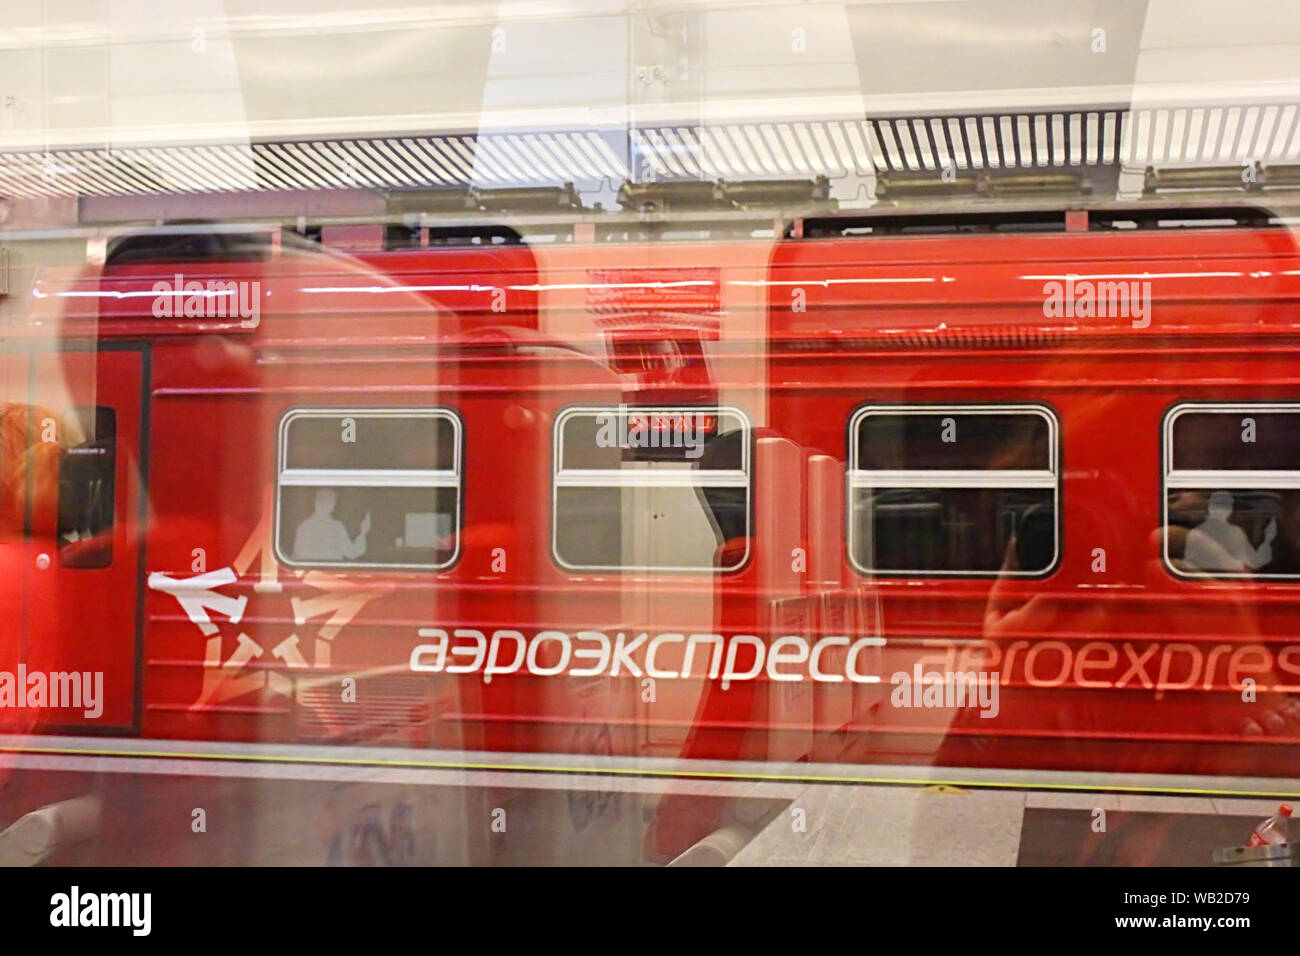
x=85, y=534
x=14, y=556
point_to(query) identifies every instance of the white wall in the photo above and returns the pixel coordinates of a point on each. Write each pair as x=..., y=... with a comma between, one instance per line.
x=90, y=72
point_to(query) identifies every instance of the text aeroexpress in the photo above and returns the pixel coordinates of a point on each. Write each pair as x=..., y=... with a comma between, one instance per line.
x=1158, y=666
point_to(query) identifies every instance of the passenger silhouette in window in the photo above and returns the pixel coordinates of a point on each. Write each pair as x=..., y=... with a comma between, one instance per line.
x=322, y=537
x=1218, y=545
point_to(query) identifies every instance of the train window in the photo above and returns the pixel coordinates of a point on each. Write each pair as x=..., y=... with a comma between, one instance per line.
x=962, y=490
x=1232, y=490
x=642, y=488
x=369, y=488
x=87, y=467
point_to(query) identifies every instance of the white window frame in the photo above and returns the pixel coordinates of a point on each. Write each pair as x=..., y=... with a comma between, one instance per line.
x=1009, y=478
x=369, y=478
x=1226, y=479
x=650, y=478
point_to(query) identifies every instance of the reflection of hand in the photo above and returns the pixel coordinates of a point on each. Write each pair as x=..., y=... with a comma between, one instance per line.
x=1273, y=715
x=365, y=524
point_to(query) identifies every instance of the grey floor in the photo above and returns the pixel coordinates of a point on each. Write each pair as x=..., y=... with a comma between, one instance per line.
x=913, y=826
x=359, y=806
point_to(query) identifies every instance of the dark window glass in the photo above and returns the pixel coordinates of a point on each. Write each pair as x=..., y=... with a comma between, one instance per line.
x=1243, y=439
x=1240, y=532
x=406, y=526
x=342, y=514
x=633, y=437
x=955, y=530
x=1234, y=524
x=948, y=441
x=662, y=528
x=379, y=442
x=87, y=482
x=645, y=513
x=966, y=518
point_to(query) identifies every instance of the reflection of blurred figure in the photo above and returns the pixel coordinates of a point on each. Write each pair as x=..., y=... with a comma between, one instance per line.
x=1218, y=545
x=29, y=602
x=25, y=458
x=322, y=537
x=364, y=840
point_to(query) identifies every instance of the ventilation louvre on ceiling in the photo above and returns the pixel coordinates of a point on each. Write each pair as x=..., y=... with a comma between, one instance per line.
x=599, y=160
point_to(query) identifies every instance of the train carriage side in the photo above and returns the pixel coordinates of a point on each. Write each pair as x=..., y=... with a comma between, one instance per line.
x=1070, y=463
x=833, y=462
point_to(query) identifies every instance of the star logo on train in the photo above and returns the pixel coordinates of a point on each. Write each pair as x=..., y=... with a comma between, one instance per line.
x=233, y=659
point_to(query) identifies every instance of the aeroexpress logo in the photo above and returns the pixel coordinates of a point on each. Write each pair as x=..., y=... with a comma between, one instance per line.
x=835, y=659
x=1084, y=297
x=233, y=659
x=944, y=671
x=213, y=299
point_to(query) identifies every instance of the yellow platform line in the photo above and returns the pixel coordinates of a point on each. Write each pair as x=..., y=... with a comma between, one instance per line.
x=644, y=772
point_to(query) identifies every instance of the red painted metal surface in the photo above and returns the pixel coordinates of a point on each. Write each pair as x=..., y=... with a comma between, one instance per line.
x=1130, y=668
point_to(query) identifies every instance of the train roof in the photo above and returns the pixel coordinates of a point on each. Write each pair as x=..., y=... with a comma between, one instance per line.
x=883, y=281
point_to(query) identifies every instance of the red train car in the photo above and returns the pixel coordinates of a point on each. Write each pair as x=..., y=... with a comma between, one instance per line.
x=1006, y=500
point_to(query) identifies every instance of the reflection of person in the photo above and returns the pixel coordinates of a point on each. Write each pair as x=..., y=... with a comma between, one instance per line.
x=322, y=537
x=1218, y=545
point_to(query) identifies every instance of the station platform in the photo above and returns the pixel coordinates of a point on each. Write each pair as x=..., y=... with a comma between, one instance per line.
x=181, y=803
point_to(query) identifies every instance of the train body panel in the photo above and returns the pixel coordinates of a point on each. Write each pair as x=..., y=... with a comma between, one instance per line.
x=839, y=468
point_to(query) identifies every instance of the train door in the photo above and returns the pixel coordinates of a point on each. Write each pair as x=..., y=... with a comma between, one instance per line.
x=84, y=501
x=13, y=518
